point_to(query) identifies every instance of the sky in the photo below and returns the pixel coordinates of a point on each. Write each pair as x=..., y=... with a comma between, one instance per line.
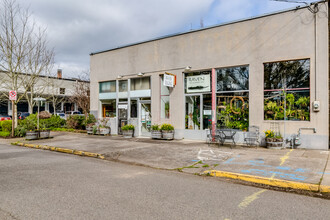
x=77, y=28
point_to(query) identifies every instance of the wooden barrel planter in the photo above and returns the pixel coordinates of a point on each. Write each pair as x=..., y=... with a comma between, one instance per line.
x=103, y=131
x=89, y=129
x=156, y=134
x=128, y=133
x=32, y=135
x=44, y=134
x=168, y=134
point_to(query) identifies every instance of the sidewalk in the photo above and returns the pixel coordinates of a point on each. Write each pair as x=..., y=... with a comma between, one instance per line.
x=292, y=169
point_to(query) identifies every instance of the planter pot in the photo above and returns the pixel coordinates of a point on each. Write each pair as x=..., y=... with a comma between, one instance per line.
x=168, y=135
x=104, y=131
x=89, y=130
x=44, y=134
x=128, y=133
x=156, y=134
x=274, y=143
x=32, y=135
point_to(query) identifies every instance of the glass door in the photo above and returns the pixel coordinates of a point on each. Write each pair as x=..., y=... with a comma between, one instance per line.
x=145, y=118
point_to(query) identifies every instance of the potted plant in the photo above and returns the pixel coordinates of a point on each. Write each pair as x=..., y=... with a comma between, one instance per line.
x=44, y=132
x=128, y=130
x=104, y=129
x=31, y=126
x=273, y=140
x=89, y=128
x=156, y=132
x=167, y=131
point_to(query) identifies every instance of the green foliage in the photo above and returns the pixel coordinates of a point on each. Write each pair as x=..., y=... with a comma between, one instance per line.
x=62, y=129
x=127, y=127
x=155, y=127
x=4, y=133
x=90, y=119
x=166, y=127
x=76, y=122
x=269, y=134
x=54, y=122
x=226, y=117
x=20, y=131
x=6, y=125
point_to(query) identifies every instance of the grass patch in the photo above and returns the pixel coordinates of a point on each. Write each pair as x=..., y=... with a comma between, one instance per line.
x=206, y=165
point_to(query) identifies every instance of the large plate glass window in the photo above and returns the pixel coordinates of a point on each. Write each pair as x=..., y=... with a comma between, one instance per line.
x=106, y=87
x=109, y=108
x=233, y=97
x=287, y=90
x=141, y=83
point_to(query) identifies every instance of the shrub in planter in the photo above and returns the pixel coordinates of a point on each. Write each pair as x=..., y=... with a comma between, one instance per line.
x=156, y=133
x=128, y=130
x=167, y=131
x=76, y=122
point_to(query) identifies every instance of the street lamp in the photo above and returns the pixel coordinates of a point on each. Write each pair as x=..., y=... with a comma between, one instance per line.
x=39, y=100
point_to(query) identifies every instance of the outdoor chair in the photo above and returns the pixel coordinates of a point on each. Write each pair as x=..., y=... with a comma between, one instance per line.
x=252, y=136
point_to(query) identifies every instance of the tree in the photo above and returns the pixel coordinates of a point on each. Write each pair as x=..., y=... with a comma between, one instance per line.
x=24, y=53
x=81, y=93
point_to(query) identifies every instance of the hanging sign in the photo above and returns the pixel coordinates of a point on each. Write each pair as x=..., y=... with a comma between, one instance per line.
x=199, y=83
x=12, y=95
x=122, y=106
x=169, y=80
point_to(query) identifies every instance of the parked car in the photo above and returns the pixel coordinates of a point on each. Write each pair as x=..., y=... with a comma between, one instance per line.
x=4, y=117
x=61, y=114
x=69, y=113
x=22, y=115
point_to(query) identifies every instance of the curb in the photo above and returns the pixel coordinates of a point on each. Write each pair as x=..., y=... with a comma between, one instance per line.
x=61, y=150
x=270, y=181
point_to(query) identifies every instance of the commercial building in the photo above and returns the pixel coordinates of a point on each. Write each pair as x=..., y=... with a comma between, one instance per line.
x=270, y=71
x=56, y=90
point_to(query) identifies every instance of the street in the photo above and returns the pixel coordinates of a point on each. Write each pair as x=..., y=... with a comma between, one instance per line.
x=37, y=184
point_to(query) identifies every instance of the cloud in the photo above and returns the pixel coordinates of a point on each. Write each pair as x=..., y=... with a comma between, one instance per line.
x=77, y=28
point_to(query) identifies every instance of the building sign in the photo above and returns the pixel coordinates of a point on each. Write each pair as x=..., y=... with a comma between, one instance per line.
x=12, y=95
x=199, y=83
x=169, y=80
x=122, y=106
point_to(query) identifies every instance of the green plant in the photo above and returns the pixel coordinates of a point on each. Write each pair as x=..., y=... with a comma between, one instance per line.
x=155, y=127
x=166, y=127
x=20, y=131
x=6, y=125
x=127, y=127
x=4, y=133
x=269, y=134
x=90, y=119
x=76, y=122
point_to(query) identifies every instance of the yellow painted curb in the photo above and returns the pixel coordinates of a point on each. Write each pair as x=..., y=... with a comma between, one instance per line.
x=324, y=189
x=265, y=181
x=62, y=150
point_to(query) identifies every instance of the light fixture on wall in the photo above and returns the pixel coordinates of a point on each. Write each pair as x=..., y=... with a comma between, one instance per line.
x=119, y=76
x=188, y=68
x=140, y=74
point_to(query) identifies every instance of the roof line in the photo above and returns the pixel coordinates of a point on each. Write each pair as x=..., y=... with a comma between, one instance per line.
x=209, y=27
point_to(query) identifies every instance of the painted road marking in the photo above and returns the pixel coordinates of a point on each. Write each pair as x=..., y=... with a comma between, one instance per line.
x=249, y=199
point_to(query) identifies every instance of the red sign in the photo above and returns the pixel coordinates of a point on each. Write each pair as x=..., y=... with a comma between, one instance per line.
x=12, y=95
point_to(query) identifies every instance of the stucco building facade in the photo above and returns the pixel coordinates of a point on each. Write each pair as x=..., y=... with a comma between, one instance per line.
x=271, y=71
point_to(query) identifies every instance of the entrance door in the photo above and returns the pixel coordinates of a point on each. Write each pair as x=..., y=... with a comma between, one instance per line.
x=122, y=116
x=145, y=118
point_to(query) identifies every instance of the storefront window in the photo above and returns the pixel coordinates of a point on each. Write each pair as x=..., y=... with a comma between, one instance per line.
x=164, y=100
x=233, y=97
x=198, y=82
x=134, y=108
x=107, y=86
x=287, y=90
x=109, y=108
x=207, y=111
x=193, y=112
x=123, y=86
x=142, y=83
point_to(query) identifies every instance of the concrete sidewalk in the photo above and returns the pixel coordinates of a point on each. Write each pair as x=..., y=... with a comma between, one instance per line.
x=293, y=169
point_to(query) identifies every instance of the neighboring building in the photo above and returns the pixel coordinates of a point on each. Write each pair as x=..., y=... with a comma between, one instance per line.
x=56, y=90
x=247, y=72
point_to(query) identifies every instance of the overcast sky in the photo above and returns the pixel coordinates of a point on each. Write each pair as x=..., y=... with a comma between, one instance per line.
x=77, y=28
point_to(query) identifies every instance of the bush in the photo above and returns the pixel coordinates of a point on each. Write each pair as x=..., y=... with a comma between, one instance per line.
x=127, y=127
x=166, y=127
x=76, y=122
x=54, y=121
x=20, y=131
x=90, y=119
x=4, y=133
x=6, y=125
